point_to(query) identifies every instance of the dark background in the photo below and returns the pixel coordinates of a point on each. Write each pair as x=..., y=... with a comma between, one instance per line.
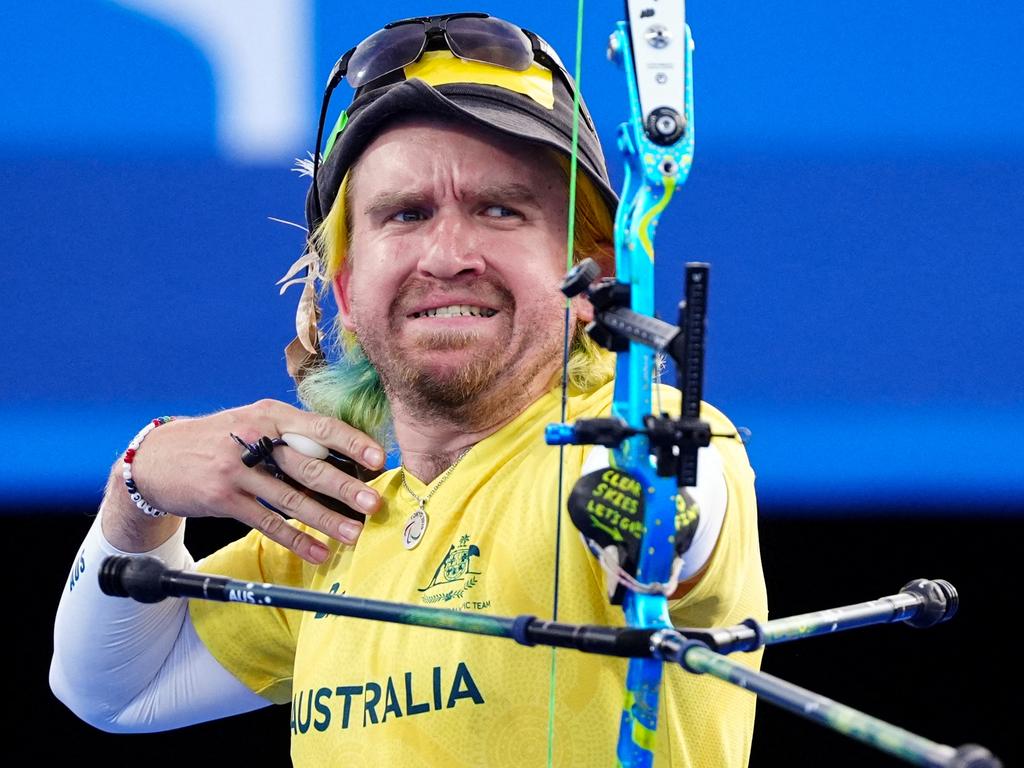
x=956, y=683
x=858, y=186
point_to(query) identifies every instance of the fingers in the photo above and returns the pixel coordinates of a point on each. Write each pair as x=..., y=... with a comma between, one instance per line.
x=276, y=528
x=296, y=504
x=219, y=485
x=319, y=475
x=330, y=433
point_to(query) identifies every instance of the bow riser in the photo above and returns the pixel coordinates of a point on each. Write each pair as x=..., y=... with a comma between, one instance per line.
x=652, y=173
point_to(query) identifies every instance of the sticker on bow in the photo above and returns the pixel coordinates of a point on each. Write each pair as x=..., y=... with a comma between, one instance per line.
x=607, y=507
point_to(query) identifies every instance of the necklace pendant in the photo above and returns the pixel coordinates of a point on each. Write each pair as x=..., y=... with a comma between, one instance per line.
x=415, y=527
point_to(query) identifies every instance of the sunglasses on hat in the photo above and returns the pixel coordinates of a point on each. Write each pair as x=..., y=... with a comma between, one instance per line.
x=470, y=36
x=475, y=37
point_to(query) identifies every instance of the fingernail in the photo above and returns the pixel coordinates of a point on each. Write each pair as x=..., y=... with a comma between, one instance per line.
x=366, y=500
x=373, y=457
x=319, y=552
x=349, y=531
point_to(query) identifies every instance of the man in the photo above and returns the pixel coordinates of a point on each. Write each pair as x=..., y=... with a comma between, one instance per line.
x=445, y=195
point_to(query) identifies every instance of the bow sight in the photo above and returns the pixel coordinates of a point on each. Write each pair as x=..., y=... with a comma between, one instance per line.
x=673, y=441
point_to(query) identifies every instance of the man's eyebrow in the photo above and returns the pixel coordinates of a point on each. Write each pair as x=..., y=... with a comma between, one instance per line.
x=510, y=192
x=391, y=201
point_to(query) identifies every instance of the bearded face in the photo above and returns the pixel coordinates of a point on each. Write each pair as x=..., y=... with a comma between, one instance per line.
x=457, y=249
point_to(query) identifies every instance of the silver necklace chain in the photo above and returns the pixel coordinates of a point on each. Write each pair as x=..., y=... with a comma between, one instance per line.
x=416, y=525
x=422, y=502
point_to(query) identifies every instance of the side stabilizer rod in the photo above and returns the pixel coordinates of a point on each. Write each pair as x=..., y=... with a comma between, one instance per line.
x=921, y=603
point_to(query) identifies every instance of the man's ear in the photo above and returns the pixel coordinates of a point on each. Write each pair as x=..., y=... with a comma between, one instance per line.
x=584, y=309
x=340, y=288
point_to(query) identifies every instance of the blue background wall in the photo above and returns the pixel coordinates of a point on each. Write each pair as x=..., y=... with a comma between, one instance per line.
x=857, y=188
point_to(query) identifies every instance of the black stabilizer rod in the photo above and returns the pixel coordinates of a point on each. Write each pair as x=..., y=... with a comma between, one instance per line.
x=148, y=580
x=921, y=603
x=695, y=657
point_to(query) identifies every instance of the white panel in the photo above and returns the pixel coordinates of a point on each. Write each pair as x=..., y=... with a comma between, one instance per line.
x=260, y=53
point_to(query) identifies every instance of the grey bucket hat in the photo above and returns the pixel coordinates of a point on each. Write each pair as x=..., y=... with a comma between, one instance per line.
x=489, y=106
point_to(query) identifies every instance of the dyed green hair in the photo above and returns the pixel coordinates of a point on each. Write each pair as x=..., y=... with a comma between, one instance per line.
x=348, y=387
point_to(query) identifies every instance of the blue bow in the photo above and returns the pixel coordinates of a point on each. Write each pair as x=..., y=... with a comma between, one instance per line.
x=649, y=451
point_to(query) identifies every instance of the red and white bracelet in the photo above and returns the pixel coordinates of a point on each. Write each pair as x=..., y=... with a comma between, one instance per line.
x=126, y=472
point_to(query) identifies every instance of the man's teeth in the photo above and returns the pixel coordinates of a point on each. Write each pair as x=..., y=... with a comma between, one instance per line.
x=457, y=310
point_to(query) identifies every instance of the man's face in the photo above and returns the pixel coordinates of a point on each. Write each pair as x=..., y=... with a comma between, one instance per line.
x=457, y=250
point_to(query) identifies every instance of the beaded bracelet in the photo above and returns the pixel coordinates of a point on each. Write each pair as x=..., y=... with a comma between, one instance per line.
x=126, y=472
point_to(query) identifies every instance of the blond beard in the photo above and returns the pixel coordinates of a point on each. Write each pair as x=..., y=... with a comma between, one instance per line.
x=474, y=394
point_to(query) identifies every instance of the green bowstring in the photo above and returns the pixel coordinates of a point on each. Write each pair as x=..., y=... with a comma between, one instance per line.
x=570, y=236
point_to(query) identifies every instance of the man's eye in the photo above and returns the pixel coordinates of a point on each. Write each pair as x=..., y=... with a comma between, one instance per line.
x=408, y=216
x=499, y=211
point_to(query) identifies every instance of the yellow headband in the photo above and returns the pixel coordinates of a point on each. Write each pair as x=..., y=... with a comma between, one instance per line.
x=442, y=67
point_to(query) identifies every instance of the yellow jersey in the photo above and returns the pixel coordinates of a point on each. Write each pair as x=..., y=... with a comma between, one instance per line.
x=372, y=693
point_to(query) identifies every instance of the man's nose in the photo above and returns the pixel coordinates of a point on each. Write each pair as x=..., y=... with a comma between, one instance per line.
x=452, y=249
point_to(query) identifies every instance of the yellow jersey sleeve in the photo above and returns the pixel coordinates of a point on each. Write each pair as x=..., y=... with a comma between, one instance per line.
x=254, y=643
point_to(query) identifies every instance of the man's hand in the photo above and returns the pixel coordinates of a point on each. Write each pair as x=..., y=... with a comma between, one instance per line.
x=192, y=468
